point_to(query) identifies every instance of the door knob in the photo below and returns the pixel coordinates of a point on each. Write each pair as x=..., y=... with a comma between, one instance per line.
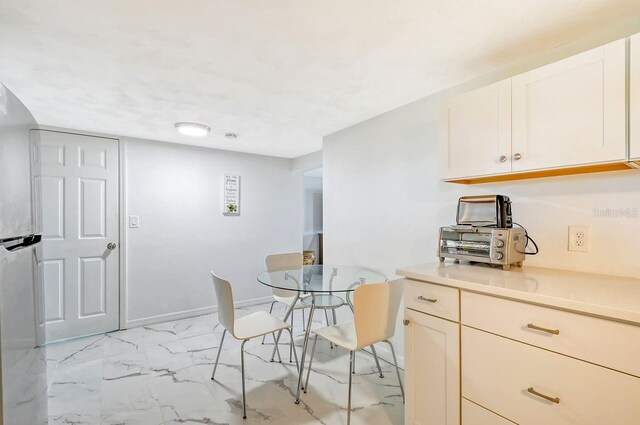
x=502, y=158
x=405, y=322
x=111, y=246
x=517, y=156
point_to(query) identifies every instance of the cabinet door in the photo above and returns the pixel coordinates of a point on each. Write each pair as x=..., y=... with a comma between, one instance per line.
x=571, y=112
x=634, y=97
x=475, y=132
x=432, y=361
x=473, y=414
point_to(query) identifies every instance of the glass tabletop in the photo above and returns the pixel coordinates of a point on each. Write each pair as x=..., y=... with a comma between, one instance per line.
x=320, y=279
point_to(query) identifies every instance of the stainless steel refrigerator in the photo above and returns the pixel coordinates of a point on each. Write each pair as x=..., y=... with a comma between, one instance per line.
x=23, y=361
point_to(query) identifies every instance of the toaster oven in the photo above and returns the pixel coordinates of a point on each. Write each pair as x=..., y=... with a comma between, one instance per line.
x=491, y=245
x=485, y=211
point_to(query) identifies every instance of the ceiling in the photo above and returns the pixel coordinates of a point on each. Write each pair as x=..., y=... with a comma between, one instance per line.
x=281, y=74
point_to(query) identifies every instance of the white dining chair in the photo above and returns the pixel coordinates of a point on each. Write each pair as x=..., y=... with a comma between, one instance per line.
x=245, y=328
x=376, y=309
x=286, y=261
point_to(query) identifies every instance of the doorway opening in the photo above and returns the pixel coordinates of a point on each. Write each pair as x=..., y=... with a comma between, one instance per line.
x=312, y=243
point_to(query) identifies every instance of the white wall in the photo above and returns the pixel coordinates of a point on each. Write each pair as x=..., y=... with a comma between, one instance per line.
x=176, y=191
x=312, y=211
x=311, y=161
x=383, y=201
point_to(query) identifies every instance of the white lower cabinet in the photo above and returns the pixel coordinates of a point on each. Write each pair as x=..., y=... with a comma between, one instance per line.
x=509, y=362
x=473, y=414
x=634, y=97
x=532, y=386
x=432, y=361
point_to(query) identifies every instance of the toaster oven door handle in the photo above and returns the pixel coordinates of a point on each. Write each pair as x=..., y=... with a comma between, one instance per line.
x=429, y=300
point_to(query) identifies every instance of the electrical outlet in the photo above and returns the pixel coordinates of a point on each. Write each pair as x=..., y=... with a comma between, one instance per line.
x=579, y=238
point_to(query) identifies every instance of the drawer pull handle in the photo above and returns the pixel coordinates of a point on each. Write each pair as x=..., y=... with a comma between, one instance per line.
x=405, y=322
x=429, y=300
x=538, y=328
x=555, y=400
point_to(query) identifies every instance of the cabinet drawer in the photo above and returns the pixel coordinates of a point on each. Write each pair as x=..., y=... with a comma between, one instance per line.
x=437, y=300
x=472, y=414
x=501, y=374
x=595, y=340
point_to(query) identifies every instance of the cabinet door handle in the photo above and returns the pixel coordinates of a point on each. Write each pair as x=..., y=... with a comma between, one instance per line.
x=429, y=300
x=555, y=400
x=502, y=158
x=538, y=328
x=405, y=322
x=517, y=156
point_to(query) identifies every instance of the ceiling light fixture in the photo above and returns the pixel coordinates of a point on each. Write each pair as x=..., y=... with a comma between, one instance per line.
x=192, y=129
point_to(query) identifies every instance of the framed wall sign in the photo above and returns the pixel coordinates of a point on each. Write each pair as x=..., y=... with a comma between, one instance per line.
x=231, y=194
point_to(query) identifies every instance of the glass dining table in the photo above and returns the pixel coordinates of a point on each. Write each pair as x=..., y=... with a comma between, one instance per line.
x=320, y=286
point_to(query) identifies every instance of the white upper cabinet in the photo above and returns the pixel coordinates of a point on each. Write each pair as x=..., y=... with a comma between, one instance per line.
x=571, y=112
x=475, y=132
x=634, y=97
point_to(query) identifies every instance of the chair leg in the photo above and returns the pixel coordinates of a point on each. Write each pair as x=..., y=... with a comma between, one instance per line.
x=275, y=341
x=326, y=317
x=375, y=357
x=244, y=401
x=313, y=350
x=395, y=361
x=351, y=365
x=291, y=340
x=218, y=356
x=295, y=353
x=286, y=317
x=270, y=311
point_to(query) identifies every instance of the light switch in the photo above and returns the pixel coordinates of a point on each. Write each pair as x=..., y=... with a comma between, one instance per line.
x=134, y=221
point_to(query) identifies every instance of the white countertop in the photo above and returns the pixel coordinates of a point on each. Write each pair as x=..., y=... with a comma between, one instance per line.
x=606, y=296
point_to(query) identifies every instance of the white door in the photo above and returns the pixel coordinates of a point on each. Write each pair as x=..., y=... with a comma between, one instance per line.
x=80, y=220
x=432, y=361
x=634, y=97
x=571, y=112
x=475, y=132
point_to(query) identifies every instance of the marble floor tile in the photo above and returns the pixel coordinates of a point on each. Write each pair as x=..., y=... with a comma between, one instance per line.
x=75, y=394
x=135, y=404
x=161, y=375
x=125, y=369
x=122, y=342
x=168, y=356
x=76, y=351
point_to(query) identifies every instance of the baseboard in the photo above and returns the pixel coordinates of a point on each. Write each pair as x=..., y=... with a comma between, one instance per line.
x=254, y=301
x=185, y=314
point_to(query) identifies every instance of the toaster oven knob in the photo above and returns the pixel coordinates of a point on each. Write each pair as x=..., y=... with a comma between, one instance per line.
x=497, y=255
x=499, y=243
